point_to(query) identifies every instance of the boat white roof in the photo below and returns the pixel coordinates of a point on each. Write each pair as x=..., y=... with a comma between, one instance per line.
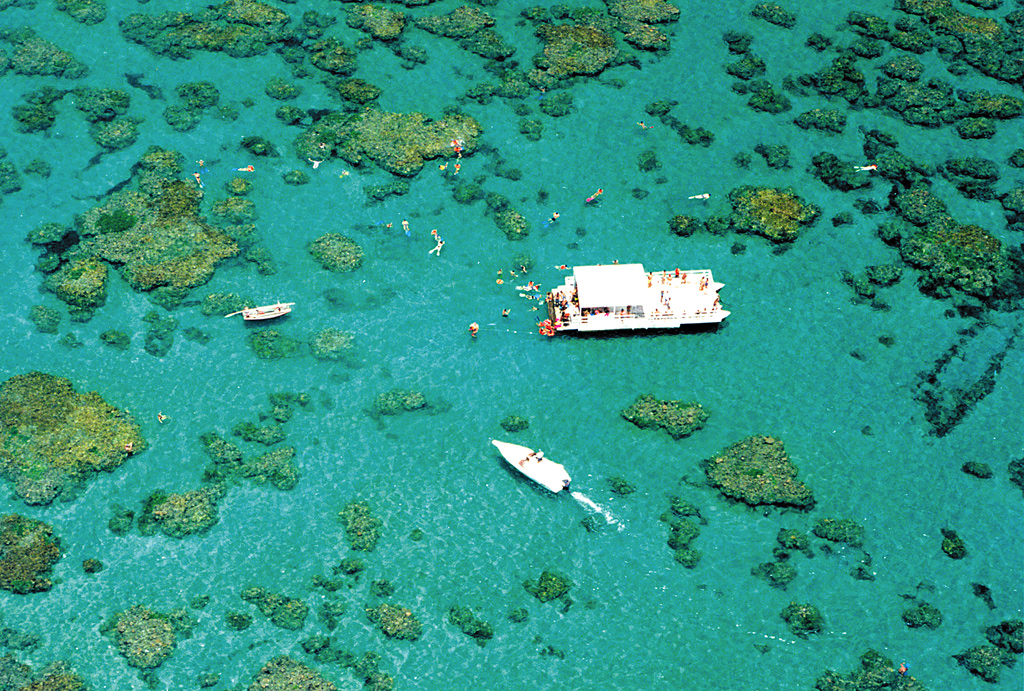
x=611, y=285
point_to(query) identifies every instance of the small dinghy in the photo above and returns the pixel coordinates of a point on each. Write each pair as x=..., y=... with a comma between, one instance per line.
x=534, y=465
x=266, y=312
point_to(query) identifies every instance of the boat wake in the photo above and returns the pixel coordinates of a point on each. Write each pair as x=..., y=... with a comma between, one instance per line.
x=597, y=508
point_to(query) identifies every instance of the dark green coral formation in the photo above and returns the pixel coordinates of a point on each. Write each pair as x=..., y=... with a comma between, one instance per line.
x=758, y=471
x=803, y=620
x=398, y=401
x=285, y=674
x=238, y=28
x=53, y=438
x=776, y=214
x=550, y=586
x=335, y=252
x=467, y=622
x=152, y=235
x=286, y=612
x=397, y=142
x=955, y=256
x=395, y=621
x=35, y=56
x=844, y=530
x=146, y=637
x=362, y=528
x=683, y=532
x=332, y=345
x=876, y=672
x=677, y=418
x=57, y=676
x=271, y=344
x=28, y=551
x=180, y=514
x=570, y=50
x=922, y=615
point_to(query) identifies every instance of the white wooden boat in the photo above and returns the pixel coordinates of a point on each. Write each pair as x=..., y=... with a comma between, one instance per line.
x=265, y=312
x=625, y=296
x=534, y=465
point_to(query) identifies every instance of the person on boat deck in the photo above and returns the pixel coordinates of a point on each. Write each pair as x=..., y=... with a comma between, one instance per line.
x=532, y=456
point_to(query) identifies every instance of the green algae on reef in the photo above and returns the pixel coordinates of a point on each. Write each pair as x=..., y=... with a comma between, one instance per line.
x=53, y=438
x=758, y=471
x=28, y=551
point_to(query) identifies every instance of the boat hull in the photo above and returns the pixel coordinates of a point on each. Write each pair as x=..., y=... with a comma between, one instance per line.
x=548, y=474
x=265, y=312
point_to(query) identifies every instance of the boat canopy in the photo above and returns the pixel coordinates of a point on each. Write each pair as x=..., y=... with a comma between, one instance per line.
x=611, y=285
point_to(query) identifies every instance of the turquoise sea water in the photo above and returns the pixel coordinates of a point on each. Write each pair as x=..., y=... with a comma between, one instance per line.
x=782, y=365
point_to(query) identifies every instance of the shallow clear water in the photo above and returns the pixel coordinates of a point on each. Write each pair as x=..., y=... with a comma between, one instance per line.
x=780, y=365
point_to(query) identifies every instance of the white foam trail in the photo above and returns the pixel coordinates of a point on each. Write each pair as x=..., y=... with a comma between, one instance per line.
x=597, y=508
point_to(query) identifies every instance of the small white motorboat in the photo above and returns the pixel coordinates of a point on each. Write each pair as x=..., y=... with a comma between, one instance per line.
x=266, y=312
x=534, y=465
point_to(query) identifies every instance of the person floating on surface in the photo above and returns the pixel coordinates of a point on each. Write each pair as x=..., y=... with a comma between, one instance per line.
x=594, y=196
x=473, y=329
x=700, y=196
x=873, y=166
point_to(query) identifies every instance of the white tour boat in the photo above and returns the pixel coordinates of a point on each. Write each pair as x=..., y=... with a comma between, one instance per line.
x=534, y=466
x=624, y=296
x=266, y=312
